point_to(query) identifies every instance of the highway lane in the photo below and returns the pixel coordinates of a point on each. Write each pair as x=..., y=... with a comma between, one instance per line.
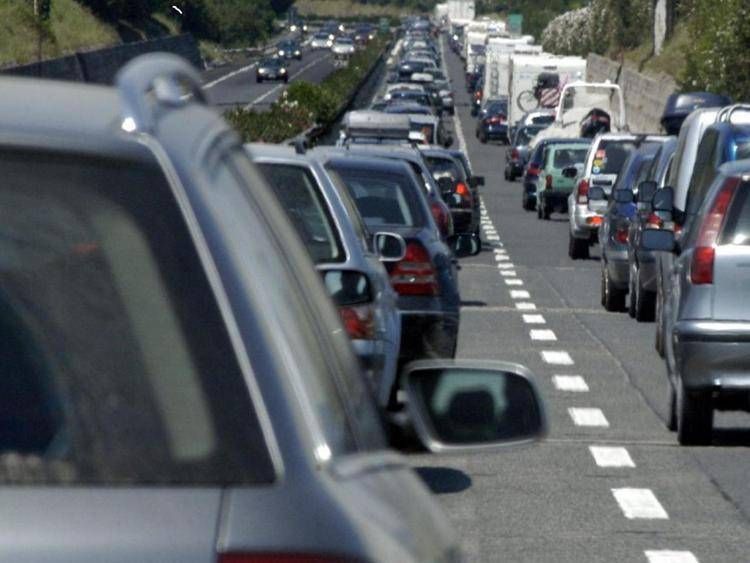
x=610, y=483
x=235, y=85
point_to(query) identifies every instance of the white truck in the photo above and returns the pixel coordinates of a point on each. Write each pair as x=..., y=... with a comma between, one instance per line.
x=497, y=63
x=461, y=10
x=524, y=72
x=475, y=36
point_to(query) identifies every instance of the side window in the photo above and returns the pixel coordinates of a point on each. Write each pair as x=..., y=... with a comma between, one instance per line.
x=737, y=228
x=704, y=170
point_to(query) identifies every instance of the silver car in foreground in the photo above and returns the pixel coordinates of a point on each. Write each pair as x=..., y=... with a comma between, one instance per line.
x=707, y=316
x=332, y=230
x=176, y=385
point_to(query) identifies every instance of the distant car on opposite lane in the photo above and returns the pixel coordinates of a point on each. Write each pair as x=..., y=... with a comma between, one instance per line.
x=272, y=69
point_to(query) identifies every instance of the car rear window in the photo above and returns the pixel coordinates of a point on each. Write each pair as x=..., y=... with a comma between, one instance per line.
x=611, y=155
x=300, y=197
x=117, y=366
x=382, y=197
x=737, y=228
x=569, y=156
x=526, y=134
x=444, y=167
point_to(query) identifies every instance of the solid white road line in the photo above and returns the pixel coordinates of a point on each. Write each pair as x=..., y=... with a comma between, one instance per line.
x=514, y=281
x=639, y=504
x=665, y=556
x=519, y=294
x=606, y=456
x=508, y=273
x=534, y=319
x=570, y=383
x=542, y=334
x=524, y=306
x=588, y=417
x=557, y=357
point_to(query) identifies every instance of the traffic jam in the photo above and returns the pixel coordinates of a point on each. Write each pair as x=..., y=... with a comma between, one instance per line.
x=234, y=353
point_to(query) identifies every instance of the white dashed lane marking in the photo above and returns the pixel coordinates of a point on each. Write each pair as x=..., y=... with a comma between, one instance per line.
x=554, y=357
x=501, y=257
x=607, y=456
x=505, y=266
x=534, y=319
x=523, y=306
x=588, y=417
x=542, y=334
x=570, y=383
x=664, y=556
x=514, y=281
x=519, y=294
x=640, y=504
x=508, y=273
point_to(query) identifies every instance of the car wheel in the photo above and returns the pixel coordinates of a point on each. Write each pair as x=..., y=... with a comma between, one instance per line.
x=632, y=291
x=671, y=406
x=694, y=416
x=258, y=79
x=578, y=249
x=645, y=303
x=614, y=299
x=483, y=138
x=546, y=211
x=286, y=80
x=507, y=176
x=659, y=332
x=539, y=207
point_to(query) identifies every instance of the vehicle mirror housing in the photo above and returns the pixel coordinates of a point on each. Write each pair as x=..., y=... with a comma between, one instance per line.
x=658, y=240
x=347, y=287
x=570, y=172
x=624, y=195
x=476, y=181
x=391, y=247
x=473, y=406
x=663, y=199
x=646, y=191
x=465, y=244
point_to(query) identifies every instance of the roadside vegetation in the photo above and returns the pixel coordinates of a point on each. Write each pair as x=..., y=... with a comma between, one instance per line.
x=304, y=105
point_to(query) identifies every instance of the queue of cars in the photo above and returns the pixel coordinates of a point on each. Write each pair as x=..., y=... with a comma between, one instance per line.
x=200, y=336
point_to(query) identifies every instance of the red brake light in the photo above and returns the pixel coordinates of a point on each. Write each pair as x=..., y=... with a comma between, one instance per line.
x=702, y=263
x=281, y=558
x=583, y=191
x=415, y=274
x=548, y=182
x=359, y=321
x=496, y=119
x=621, y=235
x=465, y=193
x=514, y=154
x=533, y=169
x=654, y=221
x=442, y=218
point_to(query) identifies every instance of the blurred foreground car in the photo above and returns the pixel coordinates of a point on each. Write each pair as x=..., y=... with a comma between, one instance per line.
x=177, y=386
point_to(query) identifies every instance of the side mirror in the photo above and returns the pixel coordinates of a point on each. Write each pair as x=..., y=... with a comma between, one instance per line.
x=624, y=196
x=347, y=287
x=570, y=172
x=446, y=186
x=664, y=199
x=658, y=239
x=646, y=191
x=391, y=247
x=465, y=406
x=476, y=181
x=465, y=244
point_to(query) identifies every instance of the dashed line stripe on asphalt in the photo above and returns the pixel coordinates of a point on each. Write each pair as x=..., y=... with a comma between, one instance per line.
x=513, y=281
x=611, y=456
x=542, y=335
x=519, y=294
x=508, y=273
x=556, y=357
x=570, y=383
x=640, y=504
x=588, y=417
x=505, y=266
x=666, y=556
x=524, y=306
x=534, y=319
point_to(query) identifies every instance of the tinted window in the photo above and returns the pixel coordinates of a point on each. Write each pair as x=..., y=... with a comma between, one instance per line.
x=526, y=134
x=444, y=167
x=741, y=149
x=300, y=196
x=737, y=228
x=611, y=155
x=565, y=157
x=495, y=108
x=383, y=198
x=117, y=366
x=704, y=170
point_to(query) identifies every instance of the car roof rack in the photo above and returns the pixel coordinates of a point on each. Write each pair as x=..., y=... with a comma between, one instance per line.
x=725, y=113
x=152, y=80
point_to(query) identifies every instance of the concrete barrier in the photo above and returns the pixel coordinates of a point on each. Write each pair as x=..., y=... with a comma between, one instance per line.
x=101, y=65
x=645, y=95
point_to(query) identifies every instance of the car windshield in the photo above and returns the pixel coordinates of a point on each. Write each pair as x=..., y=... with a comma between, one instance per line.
x=116, y=369
x=272, y=62
x=321, y=36
x=611, y=155
x=300, y=196
x=494, y=108
x=382, y=197
x=344, y=41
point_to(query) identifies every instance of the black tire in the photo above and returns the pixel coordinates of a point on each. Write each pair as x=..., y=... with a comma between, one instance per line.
x=286, y=80
x=507, y=176
x=671, y=407
x=695, y=416
x=539, y=211
x=659, y=332
x=546, y=211
x=578, y=249
x=645, y=301
x=631, y=293
x=483, y=138
x=258, y=79
x=613, y=298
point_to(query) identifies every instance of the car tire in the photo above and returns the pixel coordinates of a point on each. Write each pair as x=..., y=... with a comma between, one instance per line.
x=613, y=298
x=546, y=211
x=538, y=211
x=286, y=80
x=632, y=292
x=659, y=315
x=258, y=79
x=645, y=302
x=483, y=138
x=671, y=406
x=578, y=249
x=694, y=417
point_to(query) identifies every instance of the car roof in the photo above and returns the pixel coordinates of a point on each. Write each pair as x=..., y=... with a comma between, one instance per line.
x=736, y=168
x=338, y=157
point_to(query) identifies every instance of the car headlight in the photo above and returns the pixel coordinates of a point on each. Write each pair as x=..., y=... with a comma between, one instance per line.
x=293, y=28
x=329, y=44
x=371, y=37
x=331, y=36
x=283, y=71
x=304, y=28
x=297, y=53
x=262, y=71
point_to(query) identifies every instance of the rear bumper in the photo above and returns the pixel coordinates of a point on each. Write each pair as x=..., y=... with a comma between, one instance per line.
x=581, y=226
x=463, y=220
x=496, y=132
x=554, y=197
x=428, y=334
x=713, y=354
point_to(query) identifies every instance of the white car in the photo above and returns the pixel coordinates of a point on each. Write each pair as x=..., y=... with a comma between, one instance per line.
x=321, y=41
x=343, y=46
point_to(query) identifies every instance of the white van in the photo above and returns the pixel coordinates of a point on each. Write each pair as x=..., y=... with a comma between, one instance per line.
x=497, y=65
x=525, y=69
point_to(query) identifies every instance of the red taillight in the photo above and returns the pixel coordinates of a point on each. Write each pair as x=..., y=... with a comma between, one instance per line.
x=533, y=169
x=282, y=558
x=442, y=218
x=464, y=192
x=702, y=263
x=496, y=120
x=621, y=235
x=514, y=154
x=583, y=191
x=654, y=221
x=548, y=182
x=415, y=274
x=359, y=321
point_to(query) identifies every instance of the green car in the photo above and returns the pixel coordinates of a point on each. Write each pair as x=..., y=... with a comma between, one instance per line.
x=552, y=188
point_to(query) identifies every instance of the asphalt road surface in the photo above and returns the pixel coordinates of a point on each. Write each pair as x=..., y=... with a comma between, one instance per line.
x=235, y=85
x=610, y=483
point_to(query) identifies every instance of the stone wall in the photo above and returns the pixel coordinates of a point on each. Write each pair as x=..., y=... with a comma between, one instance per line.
x=644, y=95
x=101, y=66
